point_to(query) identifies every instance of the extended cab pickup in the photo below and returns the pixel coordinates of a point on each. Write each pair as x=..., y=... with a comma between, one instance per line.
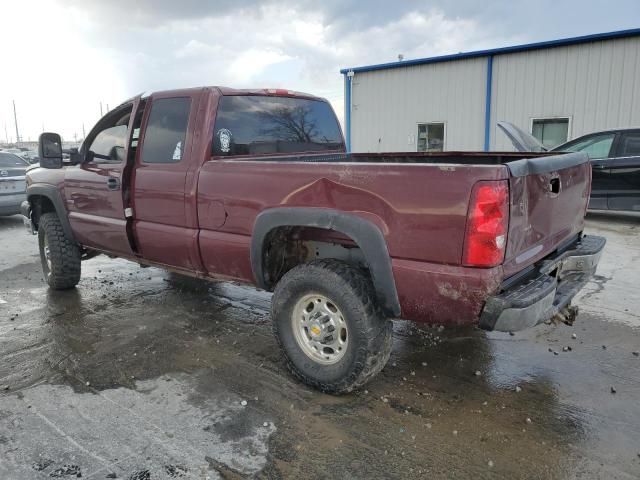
x=255, y=186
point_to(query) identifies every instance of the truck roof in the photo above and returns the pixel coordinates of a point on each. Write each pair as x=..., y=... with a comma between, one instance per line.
x=275, y=92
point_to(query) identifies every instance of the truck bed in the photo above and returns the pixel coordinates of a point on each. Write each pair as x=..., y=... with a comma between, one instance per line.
x=418, y=201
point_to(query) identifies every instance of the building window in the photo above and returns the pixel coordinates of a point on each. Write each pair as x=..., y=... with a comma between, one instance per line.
x=430, y=137
x=551, y=132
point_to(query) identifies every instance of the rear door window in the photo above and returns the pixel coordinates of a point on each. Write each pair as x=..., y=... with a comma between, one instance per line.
x=166, y=130
x=630, y=145
x=258, y=125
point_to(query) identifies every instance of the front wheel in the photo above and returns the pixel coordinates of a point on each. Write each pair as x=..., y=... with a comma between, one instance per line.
x=327, y=321
x=60, y=256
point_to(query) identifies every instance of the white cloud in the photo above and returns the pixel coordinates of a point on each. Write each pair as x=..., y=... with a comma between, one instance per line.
x=55, y=77
x=195, y=48
x=61, y=58
x=252, y=62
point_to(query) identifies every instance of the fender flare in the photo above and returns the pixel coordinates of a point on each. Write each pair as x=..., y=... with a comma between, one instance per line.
x=52, y=193
x=363, y=232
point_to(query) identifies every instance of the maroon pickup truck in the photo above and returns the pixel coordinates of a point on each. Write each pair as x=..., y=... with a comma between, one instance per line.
x=255, y=186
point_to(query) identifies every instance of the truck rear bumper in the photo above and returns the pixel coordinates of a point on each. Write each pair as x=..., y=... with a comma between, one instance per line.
x=558, y=280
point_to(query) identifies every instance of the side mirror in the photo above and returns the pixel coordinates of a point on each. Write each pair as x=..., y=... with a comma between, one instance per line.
x=50, y=150
x=75, y=157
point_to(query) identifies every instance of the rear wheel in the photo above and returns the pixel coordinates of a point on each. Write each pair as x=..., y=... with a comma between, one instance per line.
x=60, y=257
x=327, y=320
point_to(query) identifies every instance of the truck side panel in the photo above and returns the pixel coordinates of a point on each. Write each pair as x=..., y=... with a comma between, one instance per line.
x=443, y=293
x=420, y=209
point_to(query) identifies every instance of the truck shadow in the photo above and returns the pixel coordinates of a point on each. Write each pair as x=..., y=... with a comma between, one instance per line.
x=11, y=222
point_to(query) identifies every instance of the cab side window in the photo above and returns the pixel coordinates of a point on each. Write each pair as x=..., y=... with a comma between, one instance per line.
x=110, y=142
x=166, y=130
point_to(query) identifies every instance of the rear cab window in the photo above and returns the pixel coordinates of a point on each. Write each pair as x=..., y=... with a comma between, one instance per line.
x=263, y=125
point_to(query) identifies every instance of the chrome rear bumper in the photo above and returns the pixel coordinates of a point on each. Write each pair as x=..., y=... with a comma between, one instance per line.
x=558, y=280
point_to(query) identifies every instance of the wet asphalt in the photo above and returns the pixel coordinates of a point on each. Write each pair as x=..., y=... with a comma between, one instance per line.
x=143, y=374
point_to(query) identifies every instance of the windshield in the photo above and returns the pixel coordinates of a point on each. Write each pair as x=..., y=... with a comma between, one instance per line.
x=9, y=160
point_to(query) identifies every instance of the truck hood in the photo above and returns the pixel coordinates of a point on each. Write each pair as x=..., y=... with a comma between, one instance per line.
x=522, y=141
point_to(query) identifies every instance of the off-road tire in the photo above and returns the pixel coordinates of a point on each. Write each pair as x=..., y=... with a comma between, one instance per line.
x=64, y=254
x=370, y=332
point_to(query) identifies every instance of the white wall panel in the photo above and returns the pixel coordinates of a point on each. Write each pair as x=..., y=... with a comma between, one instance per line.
x=387, y=105
x=596, y=85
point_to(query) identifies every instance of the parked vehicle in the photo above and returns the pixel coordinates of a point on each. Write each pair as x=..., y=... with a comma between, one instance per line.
x=255, y=186
x=30, y=156
x=615, y=160
x=12, y=183
x=15, y=151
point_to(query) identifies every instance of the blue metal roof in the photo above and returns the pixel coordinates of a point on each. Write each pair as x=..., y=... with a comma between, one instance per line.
x=497, y=51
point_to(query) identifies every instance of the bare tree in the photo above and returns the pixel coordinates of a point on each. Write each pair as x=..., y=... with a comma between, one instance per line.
x=290, y=124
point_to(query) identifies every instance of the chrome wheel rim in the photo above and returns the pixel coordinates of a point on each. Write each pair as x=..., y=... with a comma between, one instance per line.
x=47, y=251
x=320, y=329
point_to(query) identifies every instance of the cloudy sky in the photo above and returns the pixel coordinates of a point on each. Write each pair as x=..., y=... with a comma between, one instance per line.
x=61, y=58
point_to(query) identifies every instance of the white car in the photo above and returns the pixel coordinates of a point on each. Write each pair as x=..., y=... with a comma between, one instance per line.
x=12, y=183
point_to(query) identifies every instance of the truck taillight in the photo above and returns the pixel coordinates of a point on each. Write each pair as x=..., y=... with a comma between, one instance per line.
x=487, y=221
x=279, y=91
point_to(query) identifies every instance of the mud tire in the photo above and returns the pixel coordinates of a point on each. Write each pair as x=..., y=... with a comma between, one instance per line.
x=370, y=332
x=62, y=271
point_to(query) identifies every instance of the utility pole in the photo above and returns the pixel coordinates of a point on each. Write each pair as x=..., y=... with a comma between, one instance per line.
x=6, y=135
x=84, y=135
x=15, y=119
x=100, y=109
x=107, y=108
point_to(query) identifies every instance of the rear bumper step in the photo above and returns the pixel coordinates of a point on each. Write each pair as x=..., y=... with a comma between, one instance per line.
x=559, y=279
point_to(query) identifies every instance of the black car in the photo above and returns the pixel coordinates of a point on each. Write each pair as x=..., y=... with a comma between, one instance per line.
x=615, y=160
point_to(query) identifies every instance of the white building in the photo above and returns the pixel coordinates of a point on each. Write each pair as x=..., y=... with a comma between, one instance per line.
x=557, y=90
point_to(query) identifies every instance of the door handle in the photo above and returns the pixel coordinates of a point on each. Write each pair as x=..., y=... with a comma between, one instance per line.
x=113, y=183
x=599, y=167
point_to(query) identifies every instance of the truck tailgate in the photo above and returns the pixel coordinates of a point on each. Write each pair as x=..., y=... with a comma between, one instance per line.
x=549, y=197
